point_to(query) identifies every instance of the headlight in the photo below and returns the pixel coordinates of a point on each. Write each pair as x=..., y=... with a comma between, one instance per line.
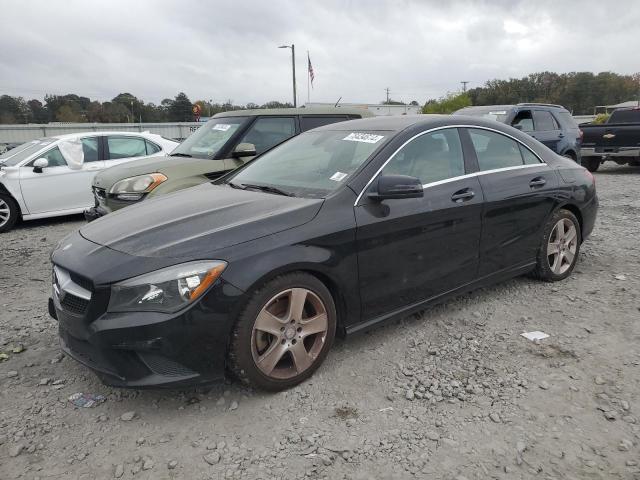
x=165, y=290
x=133, y=188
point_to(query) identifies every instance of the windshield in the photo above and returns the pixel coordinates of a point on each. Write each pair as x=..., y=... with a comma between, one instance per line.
x=312, y=164
x=491, y=113
x=14, y=156
x=209, y=138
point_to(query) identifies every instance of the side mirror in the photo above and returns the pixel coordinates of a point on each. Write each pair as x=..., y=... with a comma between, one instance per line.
x=389, y=187
x=517, y=127
x=244, y=150
x=39, y=164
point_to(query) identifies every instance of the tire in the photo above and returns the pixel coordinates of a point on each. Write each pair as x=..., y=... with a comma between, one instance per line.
x=570, y=156
x=591, y=164
x=557, y=257
x=9, y=212
x=275, y=346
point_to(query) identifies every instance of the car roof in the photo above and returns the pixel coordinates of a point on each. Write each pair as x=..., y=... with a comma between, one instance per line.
x=296, y=111
x=509, y=107
x=67, y=136
x=387, y=123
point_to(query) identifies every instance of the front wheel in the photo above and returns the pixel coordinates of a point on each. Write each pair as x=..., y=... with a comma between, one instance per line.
x=284, y=333
x=8, y=213
x=559, y=248
x=591, y=164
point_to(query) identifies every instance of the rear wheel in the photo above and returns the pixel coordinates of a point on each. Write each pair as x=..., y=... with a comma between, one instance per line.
x=8, y=213
x=284, y=333
x=591, y=164
x=559, y=248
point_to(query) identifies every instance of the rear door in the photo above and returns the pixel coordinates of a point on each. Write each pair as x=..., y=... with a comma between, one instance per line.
x=123, y=148
x=410, y=250
x=59, y=187
x=518, y=194
x=546, y=129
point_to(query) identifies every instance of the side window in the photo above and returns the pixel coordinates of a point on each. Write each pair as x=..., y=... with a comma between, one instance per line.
x=495, y=150
x=430, y=157
x=307, y=123
x=90, y=149
x=524, y=120
x=269, y=131
x=528, y=156
x=55, y=158
x=544, y=121
x=125, y=147
x=152, y=148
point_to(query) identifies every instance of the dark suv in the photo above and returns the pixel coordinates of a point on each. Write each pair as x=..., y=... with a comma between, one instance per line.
x=552, y=125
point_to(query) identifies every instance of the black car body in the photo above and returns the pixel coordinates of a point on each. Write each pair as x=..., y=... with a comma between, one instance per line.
x=552, y=125
x=379, y=256
x=617, y=140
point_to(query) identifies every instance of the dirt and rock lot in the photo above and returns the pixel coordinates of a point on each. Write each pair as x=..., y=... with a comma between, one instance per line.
x=455, y=393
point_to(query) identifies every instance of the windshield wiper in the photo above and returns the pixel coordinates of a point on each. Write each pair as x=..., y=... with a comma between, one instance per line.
x=235, y=185
x=267, y=189
x=181, y=155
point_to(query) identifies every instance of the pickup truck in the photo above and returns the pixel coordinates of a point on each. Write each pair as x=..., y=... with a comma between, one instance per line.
x=618, y=139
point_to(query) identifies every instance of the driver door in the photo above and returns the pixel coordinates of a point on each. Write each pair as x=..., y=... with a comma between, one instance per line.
x=59, y=187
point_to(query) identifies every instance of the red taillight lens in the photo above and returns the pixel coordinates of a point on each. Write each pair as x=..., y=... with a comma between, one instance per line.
x=580, y=134
x=590, y=175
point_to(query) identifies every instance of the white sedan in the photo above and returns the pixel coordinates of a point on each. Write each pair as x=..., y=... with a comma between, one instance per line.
x=52, y=176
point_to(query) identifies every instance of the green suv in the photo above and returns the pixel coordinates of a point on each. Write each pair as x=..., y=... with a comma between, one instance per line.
x=224, y=143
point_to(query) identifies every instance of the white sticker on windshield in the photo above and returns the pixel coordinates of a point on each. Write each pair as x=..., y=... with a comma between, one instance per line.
x=338, y=176
x=363, y=137
x=221, y=126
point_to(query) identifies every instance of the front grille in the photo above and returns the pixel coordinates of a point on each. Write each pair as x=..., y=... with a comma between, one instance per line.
x=164, y=366
x=83, y=282
x=74, y=304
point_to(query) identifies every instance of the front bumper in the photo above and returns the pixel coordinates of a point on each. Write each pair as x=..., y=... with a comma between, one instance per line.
x=144, y=349
x=612, y=153
x=94, y=213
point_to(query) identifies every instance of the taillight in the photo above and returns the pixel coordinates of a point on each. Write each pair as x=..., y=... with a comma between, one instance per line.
x=580, y=134
x=591, y=176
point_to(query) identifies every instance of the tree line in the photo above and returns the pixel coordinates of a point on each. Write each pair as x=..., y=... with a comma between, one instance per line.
x=579, y=92
x=124, y=108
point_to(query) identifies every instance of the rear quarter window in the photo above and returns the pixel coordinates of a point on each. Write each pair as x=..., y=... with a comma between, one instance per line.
x=309, y=122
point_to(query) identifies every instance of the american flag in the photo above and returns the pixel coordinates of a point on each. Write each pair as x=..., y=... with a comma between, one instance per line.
x=311, y=75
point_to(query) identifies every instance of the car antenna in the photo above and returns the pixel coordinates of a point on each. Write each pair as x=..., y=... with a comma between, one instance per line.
x=337, y=102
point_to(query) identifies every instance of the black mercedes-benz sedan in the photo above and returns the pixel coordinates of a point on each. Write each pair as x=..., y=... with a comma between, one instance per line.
x=334, y=231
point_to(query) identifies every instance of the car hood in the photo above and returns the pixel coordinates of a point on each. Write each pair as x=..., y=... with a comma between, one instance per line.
x=196, y=221
x=169, y=166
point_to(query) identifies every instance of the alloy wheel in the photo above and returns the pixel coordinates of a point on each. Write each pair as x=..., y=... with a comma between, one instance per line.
x=562, y=246
x=289, y=333
x=5, y=212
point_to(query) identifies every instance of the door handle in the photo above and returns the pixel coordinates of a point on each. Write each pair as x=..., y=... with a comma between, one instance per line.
x=463, y=195
x=537, y=182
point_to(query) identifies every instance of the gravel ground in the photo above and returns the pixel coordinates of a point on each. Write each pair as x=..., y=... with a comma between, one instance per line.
x=455, y=393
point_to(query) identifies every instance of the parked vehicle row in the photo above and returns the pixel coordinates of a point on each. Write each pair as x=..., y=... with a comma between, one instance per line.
x=329, y=233
x=52, y=176
x=618, y=140
x=226, y=142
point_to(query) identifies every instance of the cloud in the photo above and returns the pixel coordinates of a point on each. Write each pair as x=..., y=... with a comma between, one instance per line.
x=228, y=50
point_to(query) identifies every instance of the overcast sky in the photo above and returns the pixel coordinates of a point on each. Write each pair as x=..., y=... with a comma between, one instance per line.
x=223, y=50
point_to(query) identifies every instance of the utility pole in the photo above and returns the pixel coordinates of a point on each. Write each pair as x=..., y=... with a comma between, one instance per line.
x=387, y=90
x=293, y=65
x=464, y=85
